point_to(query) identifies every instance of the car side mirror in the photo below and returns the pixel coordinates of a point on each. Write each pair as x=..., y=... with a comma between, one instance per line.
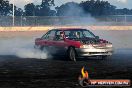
x=97, y=37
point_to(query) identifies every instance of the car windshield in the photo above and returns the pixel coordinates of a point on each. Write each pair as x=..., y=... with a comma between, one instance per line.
x=77, y=34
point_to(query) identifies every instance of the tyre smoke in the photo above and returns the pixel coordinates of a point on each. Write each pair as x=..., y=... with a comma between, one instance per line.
x=21, y=47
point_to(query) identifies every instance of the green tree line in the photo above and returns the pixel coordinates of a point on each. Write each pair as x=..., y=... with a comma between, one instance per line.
x=84, y=8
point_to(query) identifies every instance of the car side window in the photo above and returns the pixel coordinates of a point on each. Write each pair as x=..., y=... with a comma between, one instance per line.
x=49, y=36
x=58, y=37
x=45, y=36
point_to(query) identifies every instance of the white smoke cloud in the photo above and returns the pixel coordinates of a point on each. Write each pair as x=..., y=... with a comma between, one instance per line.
x=31, y=53
x=21, y=47
x=75, y=15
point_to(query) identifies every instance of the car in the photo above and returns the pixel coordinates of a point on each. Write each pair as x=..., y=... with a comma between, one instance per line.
x=74, y=43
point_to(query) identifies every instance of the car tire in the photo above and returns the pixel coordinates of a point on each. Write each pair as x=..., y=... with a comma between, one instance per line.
x=44, y=49
x=72, y=54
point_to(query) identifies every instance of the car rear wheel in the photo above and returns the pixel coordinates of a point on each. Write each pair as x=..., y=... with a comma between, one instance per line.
x=72, y=54
x=43, y=49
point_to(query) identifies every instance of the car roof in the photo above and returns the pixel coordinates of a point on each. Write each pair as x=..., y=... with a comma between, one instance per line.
x=68, y=29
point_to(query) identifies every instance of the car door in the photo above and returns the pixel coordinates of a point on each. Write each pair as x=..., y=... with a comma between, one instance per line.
x=47, y=41
x=60, y=45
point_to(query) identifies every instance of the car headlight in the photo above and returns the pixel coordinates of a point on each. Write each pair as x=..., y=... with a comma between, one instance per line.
x=109, y=45
x=87, y=46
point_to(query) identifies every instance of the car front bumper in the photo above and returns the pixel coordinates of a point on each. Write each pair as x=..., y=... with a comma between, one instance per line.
x=94, y=52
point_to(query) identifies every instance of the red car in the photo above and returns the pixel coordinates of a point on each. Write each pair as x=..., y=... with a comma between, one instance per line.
x=73, y=42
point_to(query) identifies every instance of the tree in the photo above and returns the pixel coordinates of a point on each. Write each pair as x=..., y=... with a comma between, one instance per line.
x=4, y=8
x=45, y=8
x=69, y=9
x=18, y=12
x=40, y=10
x=30, y=9
x=98, y=8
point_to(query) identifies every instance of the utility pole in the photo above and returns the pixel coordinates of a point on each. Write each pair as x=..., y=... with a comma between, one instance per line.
x=13, y=14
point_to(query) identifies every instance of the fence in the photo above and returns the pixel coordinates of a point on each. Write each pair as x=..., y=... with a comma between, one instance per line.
x=50, y=21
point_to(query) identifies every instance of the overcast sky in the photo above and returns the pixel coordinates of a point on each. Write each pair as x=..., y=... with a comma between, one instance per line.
x=118, y=3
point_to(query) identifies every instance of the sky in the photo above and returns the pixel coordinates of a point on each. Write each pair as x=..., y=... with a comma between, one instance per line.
x=118, y=3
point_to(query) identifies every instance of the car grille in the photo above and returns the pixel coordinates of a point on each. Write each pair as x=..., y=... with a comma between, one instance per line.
x=98, y=53
x=100, y=47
